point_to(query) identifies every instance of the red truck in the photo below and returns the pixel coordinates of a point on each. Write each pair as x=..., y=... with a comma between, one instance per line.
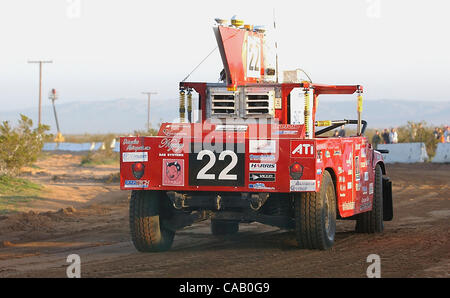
x=253, y=151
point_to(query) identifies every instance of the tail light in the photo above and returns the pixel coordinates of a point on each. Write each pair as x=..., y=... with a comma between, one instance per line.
x=138, y=170
x=296, y=171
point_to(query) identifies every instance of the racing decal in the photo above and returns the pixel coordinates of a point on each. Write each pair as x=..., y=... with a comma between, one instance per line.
x=349, y=185
x=365, y=204
x=357, y=168
x=262, y=157
x=264, y=167
x=327, y=154
x=303, y=185
x=173, y=172
x=302, y=149
x=358, y=187
x=134, y=156
x=265, y=177
x=262, y=146
x=135, y=145
x=348, y=206
x=230, y=127
x=296, y=171
x=370, y=188
x=366, y=176
x=218, y=167
x=260, y=186
x=364, y=190
x=136, y=183
x=171, y=142
x=285, y=132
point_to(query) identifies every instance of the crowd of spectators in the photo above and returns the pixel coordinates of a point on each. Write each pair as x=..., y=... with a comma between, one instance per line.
x=386, y=137
x=442, y=134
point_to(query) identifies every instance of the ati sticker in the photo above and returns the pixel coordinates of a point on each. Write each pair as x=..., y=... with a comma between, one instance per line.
x=264, y=167
x=173, y=172
x=266, y=177
x=134, y=156
x=301, y=149
x=302, y=185
x=137, y=183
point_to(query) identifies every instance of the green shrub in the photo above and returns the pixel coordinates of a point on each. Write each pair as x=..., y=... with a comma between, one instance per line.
x=420, y=132
x=20, y=146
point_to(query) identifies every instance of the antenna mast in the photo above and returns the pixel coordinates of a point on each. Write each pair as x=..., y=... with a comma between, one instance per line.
x=276, y=44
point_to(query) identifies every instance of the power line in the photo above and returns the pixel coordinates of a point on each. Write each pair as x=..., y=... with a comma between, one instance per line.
x=149, y=94
x=40, y=85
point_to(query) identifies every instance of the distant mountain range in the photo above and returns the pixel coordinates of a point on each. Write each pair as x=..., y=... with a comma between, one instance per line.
x=128, y=115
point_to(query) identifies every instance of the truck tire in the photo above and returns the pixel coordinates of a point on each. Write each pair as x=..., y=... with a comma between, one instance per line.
x=372, y=221
x=224, y=227
x=147, y=208
x=315, y=216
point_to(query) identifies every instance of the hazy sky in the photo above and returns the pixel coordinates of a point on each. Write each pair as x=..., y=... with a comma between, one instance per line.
x=106, y=49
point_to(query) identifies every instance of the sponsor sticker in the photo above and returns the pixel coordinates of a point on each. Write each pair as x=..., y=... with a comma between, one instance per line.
x=370, y=188
x=348, y=206
x=173, y=172
x=263, y=167
x=262, y=157
x=134, y=156
x=349, y=185
x=366, y=176
x=262, y=146
x=137, y=183
x=222, y=127
x=303, y=185
x=266, y=177
x=301, y=149
x=285, y=132
x=259, y=186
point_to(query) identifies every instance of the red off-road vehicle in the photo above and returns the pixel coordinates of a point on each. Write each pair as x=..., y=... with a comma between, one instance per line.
x=251, y=152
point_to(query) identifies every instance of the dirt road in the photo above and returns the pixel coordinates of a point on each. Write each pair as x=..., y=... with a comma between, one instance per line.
x=37, y=243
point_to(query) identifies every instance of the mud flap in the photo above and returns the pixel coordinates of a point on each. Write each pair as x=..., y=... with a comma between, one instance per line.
x=388, y=208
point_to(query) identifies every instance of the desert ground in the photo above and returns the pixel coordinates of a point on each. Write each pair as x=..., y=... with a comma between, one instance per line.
x=81, y=211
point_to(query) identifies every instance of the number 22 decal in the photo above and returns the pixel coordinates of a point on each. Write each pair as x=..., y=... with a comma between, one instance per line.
x=224, y=174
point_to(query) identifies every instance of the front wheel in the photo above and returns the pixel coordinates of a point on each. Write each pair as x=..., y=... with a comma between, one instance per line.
x=315, y=216
x=147, y=209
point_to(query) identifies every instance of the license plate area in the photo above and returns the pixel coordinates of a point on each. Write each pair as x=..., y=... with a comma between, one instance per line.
x=218, y=165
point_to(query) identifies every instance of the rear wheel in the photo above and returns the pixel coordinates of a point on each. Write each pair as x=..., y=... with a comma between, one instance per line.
x=224, y=227
x=372, y=221
x=315, y=216
x=147, y=210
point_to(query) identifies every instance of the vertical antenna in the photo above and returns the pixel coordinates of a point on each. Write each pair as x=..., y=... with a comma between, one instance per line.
x=276, y=44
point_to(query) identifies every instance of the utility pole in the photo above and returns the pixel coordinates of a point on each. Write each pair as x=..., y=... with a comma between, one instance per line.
x=40, y=85
x=149, y=94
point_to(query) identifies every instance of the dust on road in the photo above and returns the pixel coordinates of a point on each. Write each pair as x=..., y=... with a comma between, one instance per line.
x=36, y=243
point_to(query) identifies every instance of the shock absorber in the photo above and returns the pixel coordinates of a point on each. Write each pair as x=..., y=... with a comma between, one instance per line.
x=359, y=109
x=189, y=103
x=307, y=112
x=182, y=106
